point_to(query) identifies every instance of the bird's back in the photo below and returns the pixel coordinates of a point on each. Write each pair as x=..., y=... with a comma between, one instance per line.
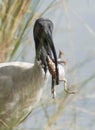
x=20, y=86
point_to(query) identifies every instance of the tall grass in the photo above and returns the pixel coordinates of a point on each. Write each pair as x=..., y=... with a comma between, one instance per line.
x=16, y=17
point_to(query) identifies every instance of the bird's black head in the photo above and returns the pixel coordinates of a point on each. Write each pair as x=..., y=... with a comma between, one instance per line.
x=44, y=43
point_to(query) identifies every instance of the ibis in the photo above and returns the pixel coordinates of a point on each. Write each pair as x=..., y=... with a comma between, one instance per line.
x=22, y=83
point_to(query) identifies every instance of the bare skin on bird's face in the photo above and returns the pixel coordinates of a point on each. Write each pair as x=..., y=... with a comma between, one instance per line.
x=43, y=30
x=22, y=84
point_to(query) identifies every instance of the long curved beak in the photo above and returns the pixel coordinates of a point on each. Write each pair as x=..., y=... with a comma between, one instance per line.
x=54, y=55
x=44, y=43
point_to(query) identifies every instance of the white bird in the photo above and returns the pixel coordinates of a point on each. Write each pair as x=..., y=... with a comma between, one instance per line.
x=21, y=84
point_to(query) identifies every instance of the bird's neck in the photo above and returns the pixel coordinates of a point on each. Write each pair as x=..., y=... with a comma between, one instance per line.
x=37, y=62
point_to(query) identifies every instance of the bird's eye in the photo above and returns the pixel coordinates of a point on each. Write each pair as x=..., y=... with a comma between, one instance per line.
x=50, y=28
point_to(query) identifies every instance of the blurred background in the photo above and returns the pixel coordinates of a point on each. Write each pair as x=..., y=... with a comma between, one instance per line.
x=74, y=34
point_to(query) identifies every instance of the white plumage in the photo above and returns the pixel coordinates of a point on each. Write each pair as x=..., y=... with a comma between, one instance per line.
x=22, y=84
x=21, y=87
